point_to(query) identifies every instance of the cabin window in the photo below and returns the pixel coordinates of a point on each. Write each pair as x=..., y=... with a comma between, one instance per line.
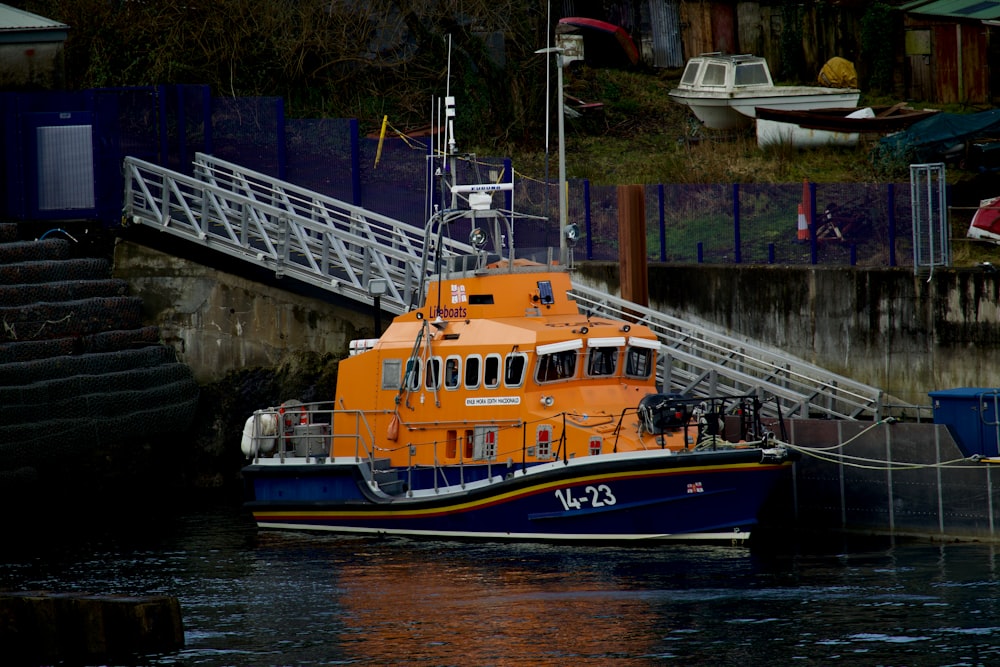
x=751, y=74
x=392, y=373
x=715, y=75
x=602, y=361
x=412, y=380
x=556, y=366
x=691, y=72
x=473, y=365
x=485, y=443
x=513, y=372
x=451, y=444
x=432, y=378
x=491, y=371
x=639, y=362
x=452, y=374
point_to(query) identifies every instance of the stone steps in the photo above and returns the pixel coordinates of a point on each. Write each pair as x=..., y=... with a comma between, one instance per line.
x=79, y=371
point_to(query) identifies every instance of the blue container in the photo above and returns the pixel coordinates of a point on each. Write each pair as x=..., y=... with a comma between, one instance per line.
x=972, y=414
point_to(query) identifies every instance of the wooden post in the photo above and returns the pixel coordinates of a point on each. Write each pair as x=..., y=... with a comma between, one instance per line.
x=633, y=272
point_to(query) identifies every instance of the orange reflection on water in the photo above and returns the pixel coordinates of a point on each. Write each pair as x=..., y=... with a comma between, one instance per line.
x=442, y=609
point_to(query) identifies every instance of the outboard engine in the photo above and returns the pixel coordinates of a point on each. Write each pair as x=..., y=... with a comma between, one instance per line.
x=659, y=413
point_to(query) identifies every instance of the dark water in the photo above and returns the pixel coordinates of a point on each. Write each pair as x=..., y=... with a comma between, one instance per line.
x=251, y=598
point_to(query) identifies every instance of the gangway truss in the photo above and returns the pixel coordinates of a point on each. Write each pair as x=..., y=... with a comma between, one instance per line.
x=341, y=248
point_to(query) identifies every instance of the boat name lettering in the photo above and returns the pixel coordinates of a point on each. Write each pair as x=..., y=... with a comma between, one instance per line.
x=447, y=313
x=595, y=496
x=479, y=401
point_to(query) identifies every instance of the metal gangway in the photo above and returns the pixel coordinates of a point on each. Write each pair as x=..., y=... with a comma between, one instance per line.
x=342, y=248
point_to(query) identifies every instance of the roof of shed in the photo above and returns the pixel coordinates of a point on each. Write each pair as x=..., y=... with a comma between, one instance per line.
x=981, y=10
x=24, y=24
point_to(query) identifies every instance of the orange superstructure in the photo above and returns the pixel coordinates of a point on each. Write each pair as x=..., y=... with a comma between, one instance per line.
x=501, y=365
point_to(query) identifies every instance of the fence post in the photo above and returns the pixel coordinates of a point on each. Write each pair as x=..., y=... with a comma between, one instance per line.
x=586, y=218
x=356, y=164
x=892, y=224
x=813, y=224
x=183, y=161
x=738, y=253
x=663, y=225
x=161, y=95
x=632, y=269
x=508, y=195
x=206, y=110
x=280, y=131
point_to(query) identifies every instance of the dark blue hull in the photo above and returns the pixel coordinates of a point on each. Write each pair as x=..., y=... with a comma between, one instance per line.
x=651, y=495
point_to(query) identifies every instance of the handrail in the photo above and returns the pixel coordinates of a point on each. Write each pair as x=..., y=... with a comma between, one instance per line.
x=341, y=248
x=713, y=364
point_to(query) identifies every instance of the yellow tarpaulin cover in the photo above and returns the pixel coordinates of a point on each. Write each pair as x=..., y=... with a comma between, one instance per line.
x=838, y=73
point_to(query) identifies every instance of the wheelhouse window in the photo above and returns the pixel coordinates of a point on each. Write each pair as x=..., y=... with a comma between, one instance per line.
x=412, y=380
x=557, y=361
x=432, y=378
x=513, y=371
x=715, y=75
x=491, y=371
x=751, y=74
x=473, y=371
x=640, y=357
x=602, y=361
x=452, y=372
x=602, y=355
x=691, y=72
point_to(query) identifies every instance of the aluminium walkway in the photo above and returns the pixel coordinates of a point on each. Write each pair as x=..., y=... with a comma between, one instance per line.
x=339, y=247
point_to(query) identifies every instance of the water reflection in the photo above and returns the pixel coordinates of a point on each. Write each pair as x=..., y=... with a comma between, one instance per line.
x=460, y=601
x=253, y=598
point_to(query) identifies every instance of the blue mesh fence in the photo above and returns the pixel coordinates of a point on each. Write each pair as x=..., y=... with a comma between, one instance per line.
x=192, y=126
x=860, y=224
x=396, y=186
x=249, y=131
x=319, y=155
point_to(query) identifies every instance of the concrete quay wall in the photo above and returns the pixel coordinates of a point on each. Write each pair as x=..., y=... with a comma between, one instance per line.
x=885, y=327
x=888, y=328
x=220, y=322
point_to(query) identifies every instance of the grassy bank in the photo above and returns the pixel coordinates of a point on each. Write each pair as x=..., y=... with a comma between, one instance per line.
x=639, y=135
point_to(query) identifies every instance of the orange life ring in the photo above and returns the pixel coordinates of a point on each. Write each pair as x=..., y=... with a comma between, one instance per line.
x=287, y=412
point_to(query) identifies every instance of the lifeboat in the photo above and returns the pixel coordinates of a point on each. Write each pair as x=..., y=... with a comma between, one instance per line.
x=496, y=409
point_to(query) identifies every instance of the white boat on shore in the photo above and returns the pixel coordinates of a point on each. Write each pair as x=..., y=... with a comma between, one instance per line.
x=807, y=128
x=724, y=91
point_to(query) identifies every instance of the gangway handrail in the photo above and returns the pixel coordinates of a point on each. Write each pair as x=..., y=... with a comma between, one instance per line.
x=340, y=247
x=342, y=258
x=299, y=201
x=750, y=365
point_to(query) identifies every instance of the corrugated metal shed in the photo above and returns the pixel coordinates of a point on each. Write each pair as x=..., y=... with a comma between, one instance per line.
x=18, y=26
x=982, y=10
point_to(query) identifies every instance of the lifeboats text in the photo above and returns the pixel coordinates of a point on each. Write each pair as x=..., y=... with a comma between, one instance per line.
x=458, y=313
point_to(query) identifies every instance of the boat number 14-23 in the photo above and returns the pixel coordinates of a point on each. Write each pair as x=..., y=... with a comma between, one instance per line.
x=595, y=496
